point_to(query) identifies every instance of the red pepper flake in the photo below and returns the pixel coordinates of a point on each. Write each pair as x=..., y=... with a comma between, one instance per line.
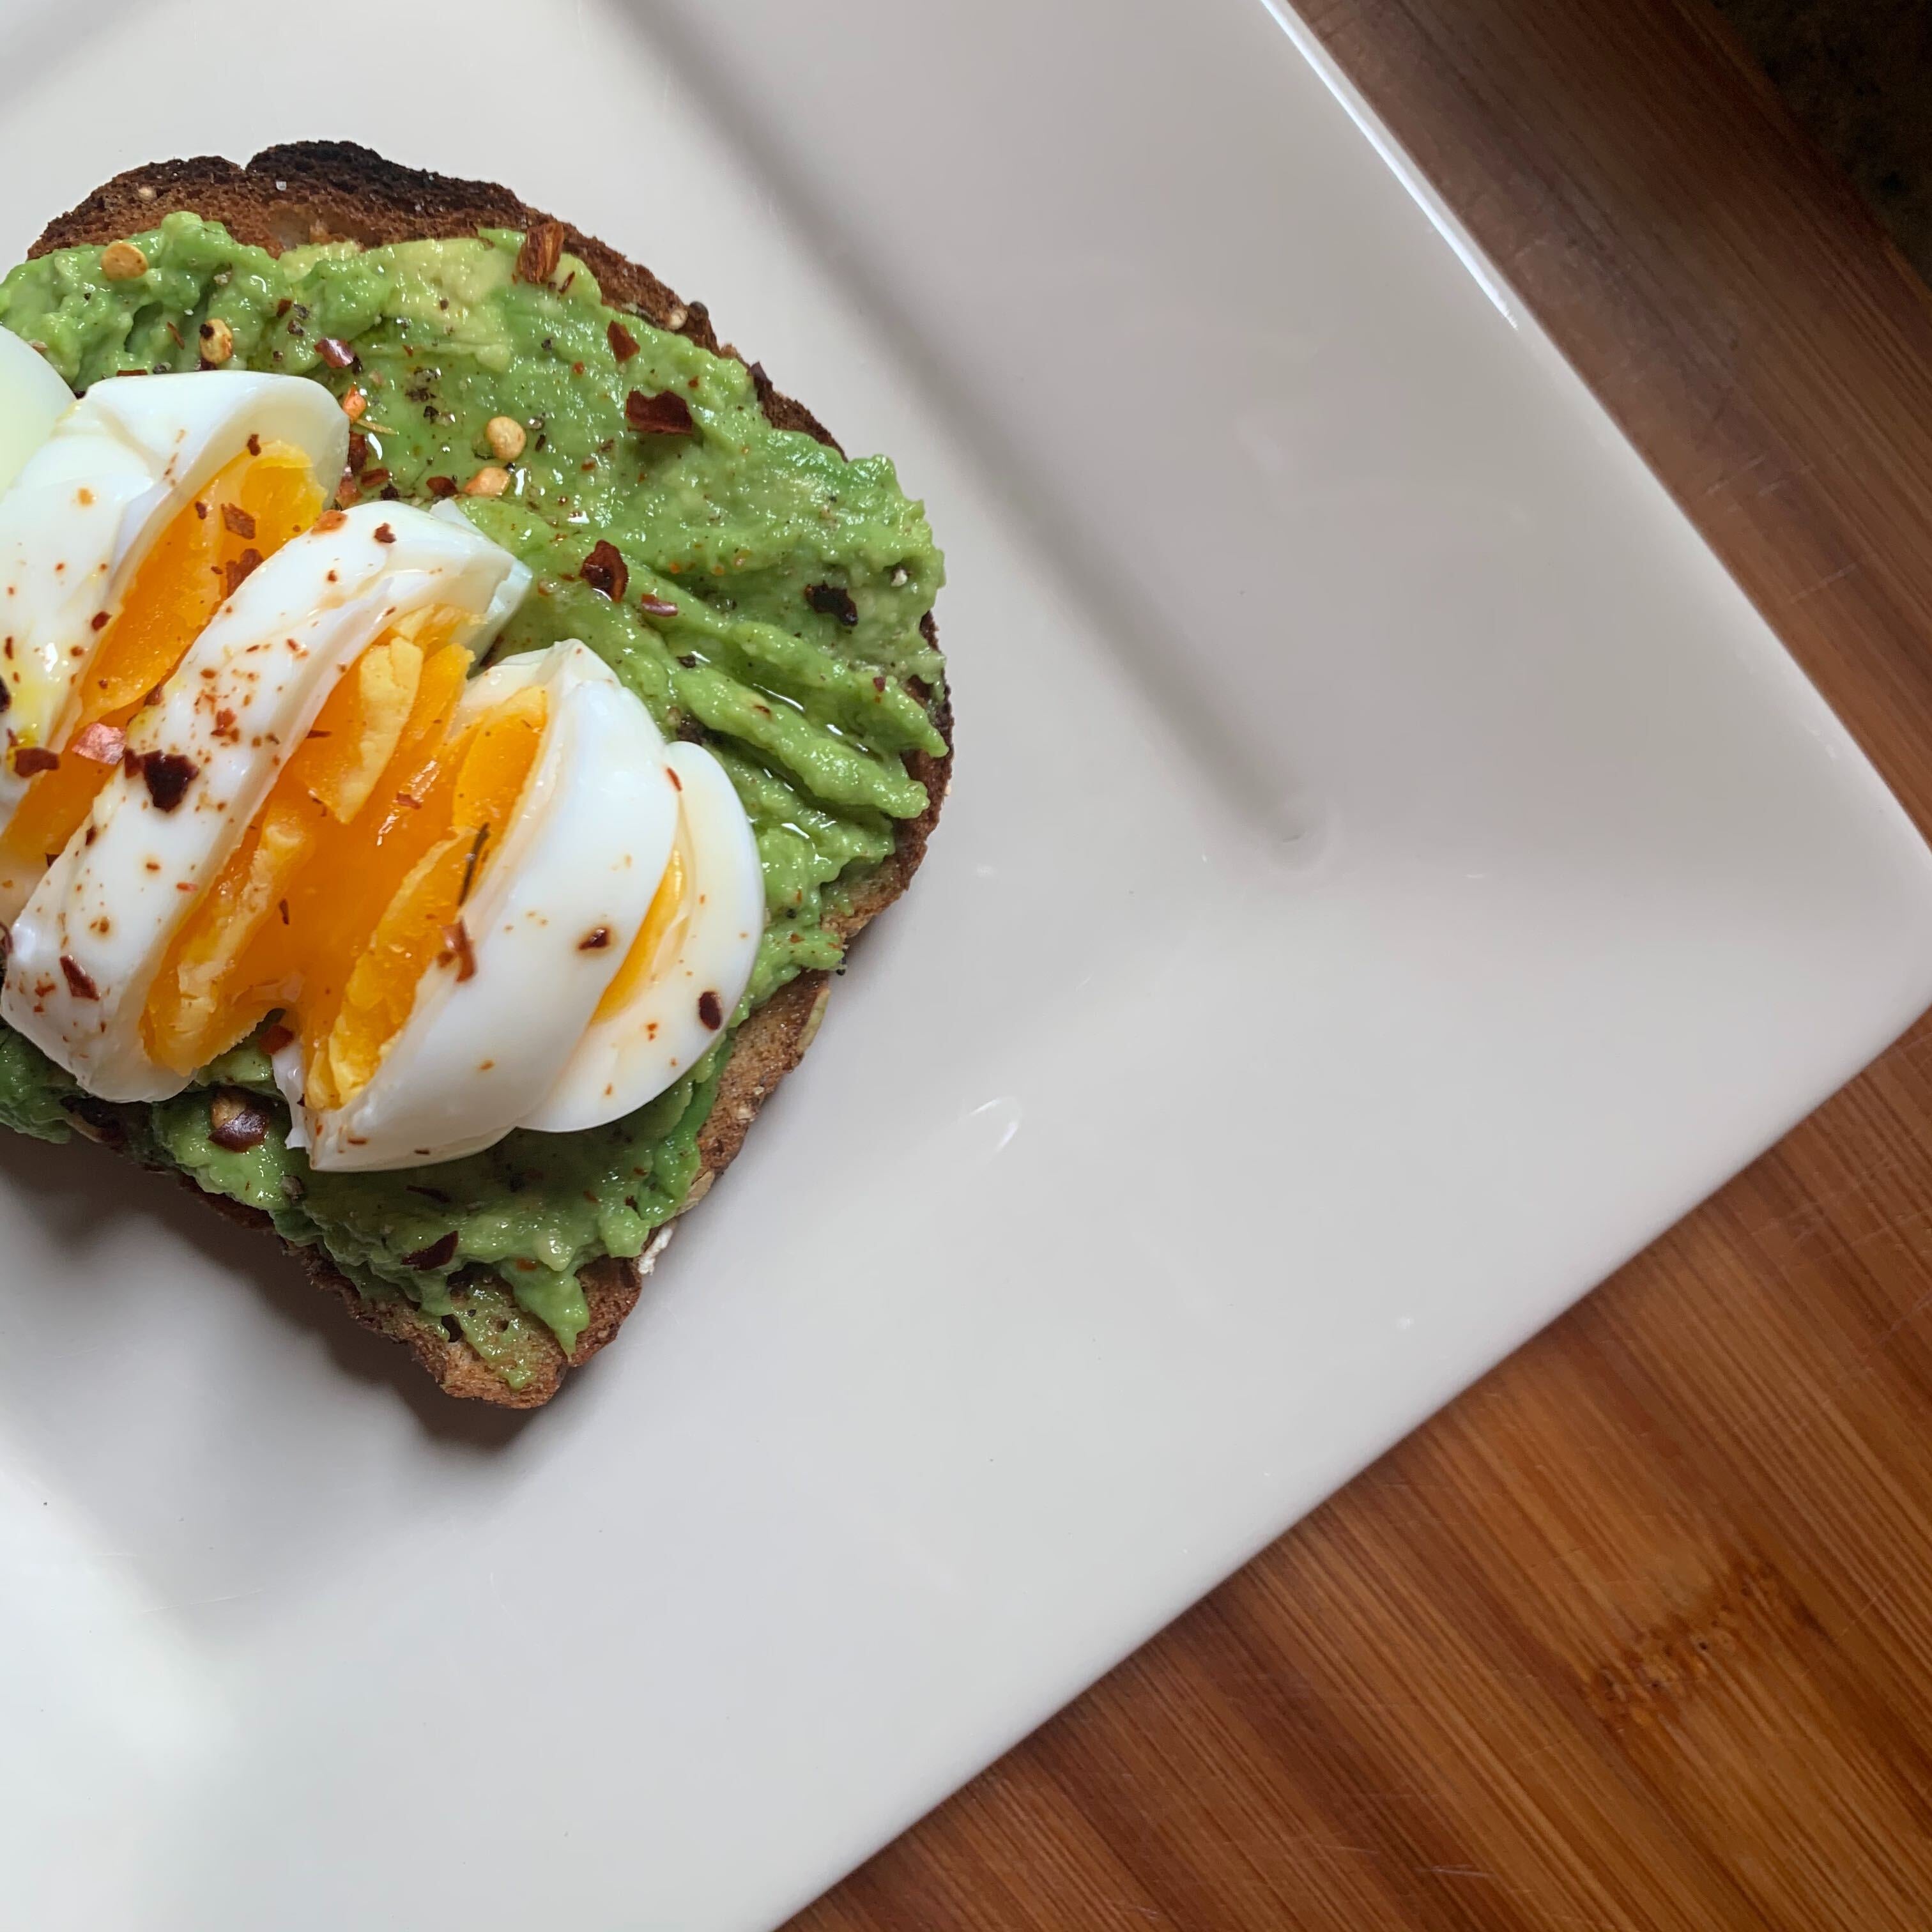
x=384, y=534
x=666, y=414
x=656, y=607
x=254, y=446
x=283, y=307
x=100, y=621
x=237, y=1121
x=238, y=522
x=358, y=450
x=623, y=344
x=335, y=352
x=440, y=486
x=833, y=600
x=676, y=783
x=201, y=510
x=168, y=775
x=348, y=493
x=329, y=520
x=79, y=981
x=30, y=759
x=438, y=1254
x=457, y=938
x=102, y=743
x=375, y=479
x=595, y=940
x=709, y=1010
x=604, y=569
x=238, y=569
x=538, y=258
x=274, y=1038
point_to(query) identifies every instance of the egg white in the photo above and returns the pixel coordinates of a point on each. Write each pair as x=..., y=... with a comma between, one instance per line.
x=32, y=400
x=88, y=944
x=549, y=925
x=119, y=466
x=675, y=1014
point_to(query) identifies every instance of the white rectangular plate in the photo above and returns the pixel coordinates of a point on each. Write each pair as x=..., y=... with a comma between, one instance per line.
x=1392, y=874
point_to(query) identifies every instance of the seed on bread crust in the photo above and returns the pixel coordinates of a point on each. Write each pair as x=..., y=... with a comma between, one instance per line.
x=543, y=247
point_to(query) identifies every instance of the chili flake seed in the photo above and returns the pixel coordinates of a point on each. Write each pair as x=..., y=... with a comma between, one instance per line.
x=236, y=1120
x=122, y=262
x=490, y=480
x=217, y=342
x=656, y=607
x=505, y=436
x=604, y=569
x=354, y=404
x=666, y=414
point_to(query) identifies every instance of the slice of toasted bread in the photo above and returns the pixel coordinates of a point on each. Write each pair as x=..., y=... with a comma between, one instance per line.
x=330, y=191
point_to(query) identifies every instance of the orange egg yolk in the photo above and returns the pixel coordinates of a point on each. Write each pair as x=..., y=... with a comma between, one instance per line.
x=659, y=936
x=349, y=884
x=250, y=510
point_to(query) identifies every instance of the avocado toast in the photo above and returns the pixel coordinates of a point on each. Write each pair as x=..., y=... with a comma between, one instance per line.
x=758, y=592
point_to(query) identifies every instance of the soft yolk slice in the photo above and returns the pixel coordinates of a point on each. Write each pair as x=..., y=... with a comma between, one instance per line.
x=474, y=794
x=668, y=915
x=350, y=883
x=319, y=851
x=250, y=510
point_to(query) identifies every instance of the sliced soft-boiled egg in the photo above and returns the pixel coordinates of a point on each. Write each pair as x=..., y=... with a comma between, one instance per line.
x=687, y=969
x=549, y=824
x=124, y=532
x=32, y=400
x=273, y=762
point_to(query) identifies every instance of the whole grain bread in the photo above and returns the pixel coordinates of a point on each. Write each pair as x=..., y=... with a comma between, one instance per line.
x=315, y=191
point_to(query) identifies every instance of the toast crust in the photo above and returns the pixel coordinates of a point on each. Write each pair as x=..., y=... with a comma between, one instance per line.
x=315, y=191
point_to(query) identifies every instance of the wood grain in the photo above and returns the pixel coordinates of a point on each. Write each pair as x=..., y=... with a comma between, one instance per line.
x=1638, y=1634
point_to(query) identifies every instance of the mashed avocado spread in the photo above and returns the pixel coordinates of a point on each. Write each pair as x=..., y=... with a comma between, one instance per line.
x=799, y=582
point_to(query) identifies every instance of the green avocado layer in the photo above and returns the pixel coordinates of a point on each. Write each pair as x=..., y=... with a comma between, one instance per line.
x=800, y=581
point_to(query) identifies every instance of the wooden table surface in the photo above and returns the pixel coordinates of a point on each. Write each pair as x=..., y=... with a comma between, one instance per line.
x=1638, y=1633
